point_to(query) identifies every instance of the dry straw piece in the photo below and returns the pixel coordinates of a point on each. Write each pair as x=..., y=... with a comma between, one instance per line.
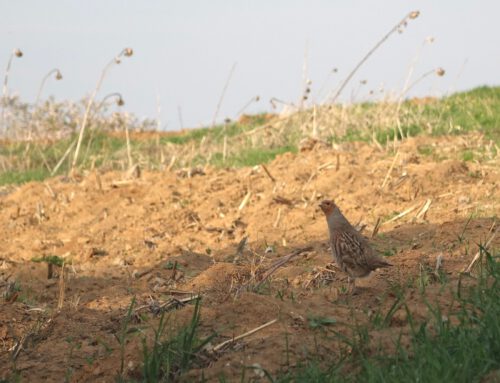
x=229, y=341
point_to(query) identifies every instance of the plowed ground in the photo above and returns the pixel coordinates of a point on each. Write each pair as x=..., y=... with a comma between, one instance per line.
x=161, y=235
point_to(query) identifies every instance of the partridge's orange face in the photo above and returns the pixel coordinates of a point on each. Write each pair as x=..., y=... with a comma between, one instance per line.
x=327, y=206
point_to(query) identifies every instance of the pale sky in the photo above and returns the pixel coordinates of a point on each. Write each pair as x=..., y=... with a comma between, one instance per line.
x=184, y=50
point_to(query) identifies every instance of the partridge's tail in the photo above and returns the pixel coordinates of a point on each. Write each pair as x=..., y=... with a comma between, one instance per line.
x=379, y=262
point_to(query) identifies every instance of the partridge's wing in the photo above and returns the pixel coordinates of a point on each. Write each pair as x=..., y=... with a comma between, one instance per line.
x=355, y=251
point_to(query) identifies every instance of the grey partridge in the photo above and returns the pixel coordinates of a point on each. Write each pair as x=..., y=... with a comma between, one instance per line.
x=352, y=252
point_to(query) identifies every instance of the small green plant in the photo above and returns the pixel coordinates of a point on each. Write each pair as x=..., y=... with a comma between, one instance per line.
x=425, y=150
x=462, y=234
x=467, y=155
x=172, y=265
x=390, y=252
x=169, y=357
x=50, y=259
x=280, y=294
x=122, y=336
x=315, y=322
x=72, y=346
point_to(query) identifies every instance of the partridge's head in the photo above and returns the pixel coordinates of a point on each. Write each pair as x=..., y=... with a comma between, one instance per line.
x=327, y=206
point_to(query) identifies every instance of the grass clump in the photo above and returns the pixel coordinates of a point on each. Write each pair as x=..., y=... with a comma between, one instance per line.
x=169, y=357
x=251, y=156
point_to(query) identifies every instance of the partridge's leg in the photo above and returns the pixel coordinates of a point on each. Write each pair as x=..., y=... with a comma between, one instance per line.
x=352, y=285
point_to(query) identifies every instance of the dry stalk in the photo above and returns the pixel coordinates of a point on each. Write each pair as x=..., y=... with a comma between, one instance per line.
x=327, y=165
x=139, y=275
x=248, y=333
x=314, y=124
x=410, y=16
x=60, y=301
x=171, y=303
x=439, y=263
x=280, y=262
x=171, y=164
x=224, y=149
x=245, y=201
x=129, y=151
x=127, y=52
x=250, y=102
x=390, y=170
x=377, y=227
x=66, y=153
x=278, y=219
x=219, y=103
x=268, y=173
x=478, y=254
x=98, y=180
x=14, y=53
x=423, y=212
x=50, y=190
x=402, y=214
x=58, y=76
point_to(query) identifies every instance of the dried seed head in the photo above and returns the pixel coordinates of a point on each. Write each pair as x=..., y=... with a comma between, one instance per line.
x=227, y=120
x=413, y=15
x=308, y=90
x=257, y=98
x=440, y=72
x=363, y=82
x=120, y=101
x=335, y=70
x=429, y=39
x=117, y=60
x=18, y=53
x=128, y=52
x=58, y=75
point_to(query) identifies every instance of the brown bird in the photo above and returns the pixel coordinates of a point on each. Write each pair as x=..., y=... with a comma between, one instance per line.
x=351, y=251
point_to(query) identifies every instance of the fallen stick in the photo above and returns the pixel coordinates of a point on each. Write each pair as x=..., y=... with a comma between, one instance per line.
x=403, y=213
x=268, y=173
x=181, y=301
x=280, y=262
x=244, y=201
x=423, y=211
x=278, y=219
x=326, y=165
x=170, y=302
x=478, y=254
x=229, y=341
x=143, y=273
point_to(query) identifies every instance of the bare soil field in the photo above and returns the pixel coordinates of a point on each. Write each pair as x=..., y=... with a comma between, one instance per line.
x=164, y=237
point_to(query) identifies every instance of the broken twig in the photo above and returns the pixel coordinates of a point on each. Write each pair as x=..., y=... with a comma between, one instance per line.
x=229, y=341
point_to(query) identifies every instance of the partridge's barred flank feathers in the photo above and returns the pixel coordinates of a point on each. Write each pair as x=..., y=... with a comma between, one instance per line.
x=351, y=251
